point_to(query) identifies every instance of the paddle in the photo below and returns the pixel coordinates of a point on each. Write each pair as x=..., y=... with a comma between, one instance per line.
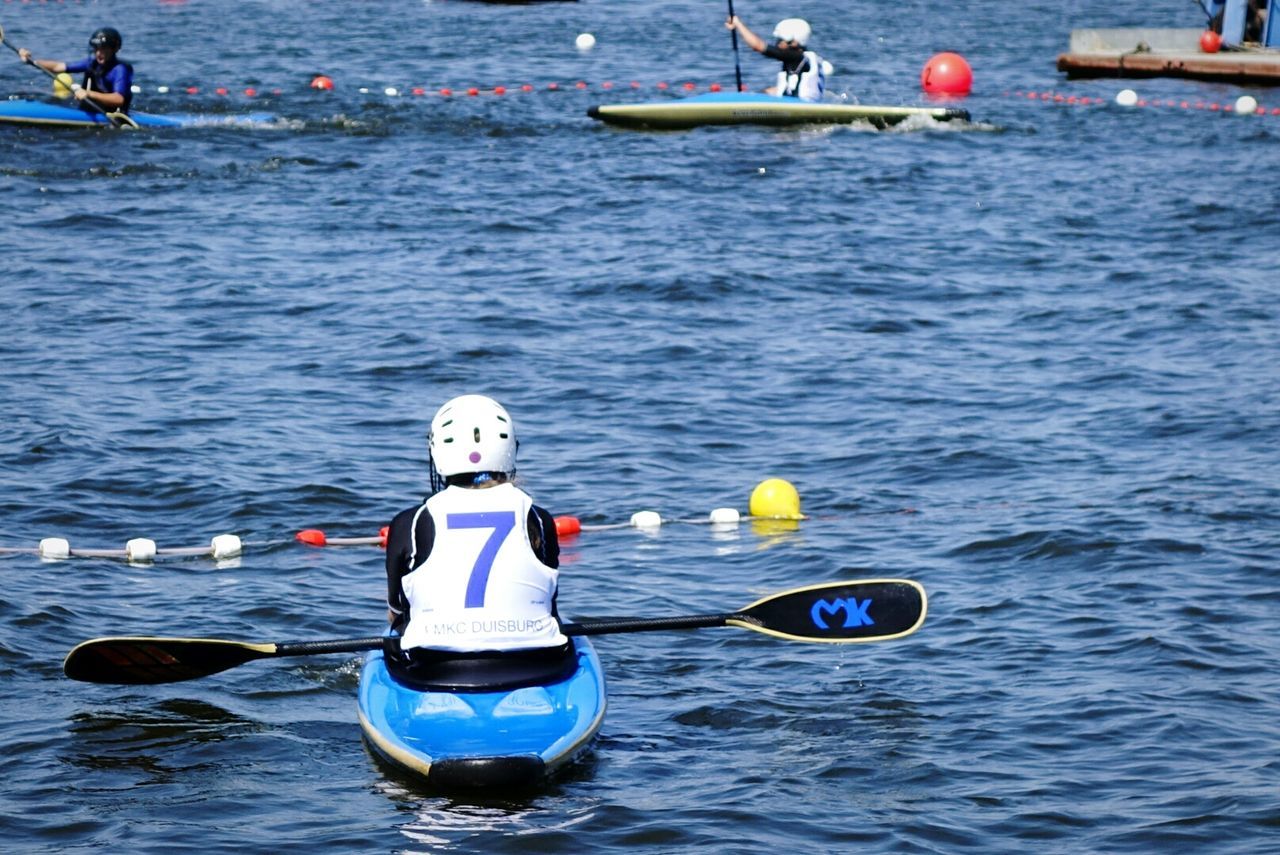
x=837, y=612
x=116, y=119
x=737, y=67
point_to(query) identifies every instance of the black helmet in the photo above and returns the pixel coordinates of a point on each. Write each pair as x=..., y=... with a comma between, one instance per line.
x=106, y=37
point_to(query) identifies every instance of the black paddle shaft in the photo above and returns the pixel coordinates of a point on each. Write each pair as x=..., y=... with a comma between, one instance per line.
x=737, y=67
x=342, y=645
x=637, y=624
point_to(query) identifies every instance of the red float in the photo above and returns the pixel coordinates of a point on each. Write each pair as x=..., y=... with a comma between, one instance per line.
x=311, y=537
x=947, y=74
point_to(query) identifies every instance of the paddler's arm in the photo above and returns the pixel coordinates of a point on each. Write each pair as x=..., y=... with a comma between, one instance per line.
x=401, y=556
x=753, y=41
x=111, y=100
x=56, y=66
x=543, y=537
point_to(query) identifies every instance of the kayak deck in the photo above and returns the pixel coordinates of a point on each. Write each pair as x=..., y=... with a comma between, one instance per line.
x=739, y=108
x=477, y=738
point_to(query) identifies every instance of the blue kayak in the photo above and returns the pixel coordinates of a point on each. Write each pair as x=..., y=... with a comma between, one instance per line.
x=60, y=116
x=475, y=725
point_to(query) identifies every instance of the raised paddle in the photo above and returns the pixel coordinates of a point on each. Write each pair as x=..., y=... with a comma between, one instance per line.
x=737, y=67
x=833, y=613
x=116, y=119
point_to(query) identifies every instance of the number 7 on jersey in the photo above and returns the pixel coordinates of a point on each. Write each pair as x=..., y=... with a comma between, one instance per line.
x=502, y=524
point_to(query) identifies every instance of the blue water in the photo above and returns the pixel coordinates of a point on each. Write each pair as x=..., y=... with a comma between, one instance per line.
x=1029, y=361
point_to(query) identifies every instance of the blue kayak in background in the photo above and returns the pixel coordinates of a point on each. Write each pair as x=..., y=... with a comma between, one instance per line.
x=41, y=113
x=493, y=723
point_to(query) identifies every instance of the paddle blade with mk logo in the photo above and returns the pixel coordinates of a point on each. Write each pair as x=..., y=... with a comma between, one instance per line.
x=841, y=612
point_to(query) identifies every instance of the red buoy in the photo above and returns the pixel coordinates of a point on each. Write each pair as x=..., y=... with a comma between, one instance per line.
x=1210, y=42
x=946, y=74
x=321, y=82
x=567, y=526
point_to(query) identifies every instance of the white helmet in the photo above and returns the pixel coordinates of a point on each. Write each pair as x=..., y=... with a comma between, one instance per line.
x=793, y=30
x=472, y=433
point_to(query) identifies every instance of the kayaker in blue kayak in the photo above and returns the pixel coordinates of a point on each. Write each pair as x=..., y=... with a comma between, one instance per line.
x=803, y=75
x=473, y=569
x=108, y=80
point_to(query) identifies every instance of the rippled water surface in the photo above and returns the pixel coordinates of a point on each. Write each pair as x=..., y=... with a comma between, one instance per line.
x=1028, y=360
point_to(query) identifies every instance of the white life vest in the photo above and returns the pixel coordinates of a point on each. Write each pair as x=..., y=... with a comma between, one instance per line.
x=808, y=84
x=482, y=587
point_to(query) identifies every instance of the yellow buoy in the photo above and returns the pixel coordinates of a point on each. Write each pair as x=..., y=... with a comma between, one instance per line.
x=775, y=498
x=62, y=85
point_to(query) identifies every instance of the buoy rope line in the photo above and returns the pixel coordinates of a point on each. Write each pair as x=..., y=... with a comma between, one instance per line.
x=1125, y=98
x=143, y=550
x=1241, y=106
x=324, y=84
x=774, y=500
x=139, y=550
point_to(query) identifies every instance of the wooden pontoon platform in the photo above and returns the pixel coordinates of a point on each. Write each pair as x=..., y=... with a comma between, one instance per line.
x=1136, y=52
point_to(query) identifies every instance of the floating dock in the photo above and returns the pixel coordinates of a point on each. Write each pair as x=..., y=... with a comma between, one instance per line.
x=1165, y=53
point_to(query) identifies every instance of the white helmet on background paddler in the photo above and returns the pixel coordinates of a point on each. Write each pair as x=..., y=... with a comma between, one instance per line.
x=793, y=30
x=472, y=433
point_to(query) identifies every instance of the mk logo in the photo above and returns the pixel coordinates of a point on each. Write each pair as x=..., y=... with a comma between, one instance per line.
x=855, y=613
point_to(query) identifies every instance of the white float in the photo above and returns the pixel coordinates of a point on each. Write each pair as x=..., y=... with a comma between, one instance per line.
x=725, y=516
x=1246, y=105
x=140, y=550
x=646, y=519
x=225, y=546
x=54, y=548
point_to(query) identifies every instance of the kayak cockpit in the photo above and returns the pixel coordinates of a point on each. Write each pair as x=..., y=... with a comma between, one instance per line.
x=448, y=671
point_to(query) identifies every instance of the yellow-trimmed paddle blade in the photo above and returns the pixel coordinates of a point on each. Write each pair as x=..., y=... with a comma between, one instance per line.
x=144, y=661
x=139, y=660
x=839, y=612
